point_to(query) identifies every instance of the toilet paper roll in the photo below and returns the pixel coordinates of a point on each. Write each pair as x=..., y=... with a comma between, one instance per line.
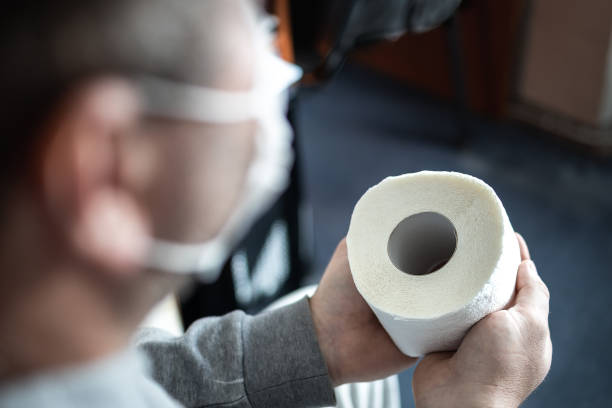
x=432, y=253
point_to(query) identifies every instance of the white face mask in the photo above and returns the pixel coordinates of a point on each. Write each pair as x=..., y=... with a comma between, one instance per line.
x=268, y=173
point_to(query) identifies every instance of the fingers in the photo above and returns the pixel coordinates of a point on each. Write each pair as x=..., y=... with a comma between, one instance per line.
x=523, y=246
x=532, y=295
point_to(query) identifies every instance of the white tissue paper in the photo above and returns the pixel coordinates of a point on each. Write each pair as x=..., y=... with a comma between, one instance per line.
x=432, y=253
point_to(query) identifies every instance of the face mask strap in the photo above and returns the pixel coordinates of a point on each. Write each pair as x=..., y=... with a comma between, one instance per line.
x=195, y=103
x=181, y=101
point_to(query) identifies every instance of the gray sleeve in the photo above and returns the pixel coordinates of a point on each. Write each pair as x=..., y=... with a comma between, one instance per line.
x=269, y=360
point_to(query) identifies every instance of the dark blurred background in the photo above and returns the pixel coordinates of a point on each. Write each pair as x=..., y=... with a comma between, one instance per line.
x=517, y=93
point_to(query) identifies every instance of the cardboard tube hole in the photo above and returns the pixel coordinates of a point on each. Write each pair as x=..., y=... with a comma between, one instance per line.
x=422, y=243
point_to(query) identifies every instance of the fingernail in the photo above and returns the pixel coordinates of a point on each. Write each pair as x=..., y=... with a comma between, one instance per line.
x=532, y=268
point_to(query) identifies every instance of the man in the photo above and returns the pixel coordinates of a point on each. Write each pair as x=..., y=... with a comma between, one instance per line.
x=133, y=134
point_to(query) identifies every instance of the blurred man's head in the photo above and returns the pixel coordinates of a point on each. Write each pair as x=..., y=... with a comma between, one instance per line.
x=89, y=175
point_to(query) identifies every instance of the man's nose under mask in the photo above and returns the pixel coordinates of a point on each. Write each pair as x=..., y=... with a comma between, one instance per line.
x=268, y=173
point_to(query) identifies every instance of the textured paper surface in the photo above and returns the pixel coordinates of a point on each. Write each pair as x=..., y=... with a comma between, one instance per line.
x=427, y=313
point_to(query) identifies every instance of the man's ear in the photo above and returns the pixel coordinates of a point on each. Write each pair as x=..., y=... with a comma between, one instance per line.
x=81, y=187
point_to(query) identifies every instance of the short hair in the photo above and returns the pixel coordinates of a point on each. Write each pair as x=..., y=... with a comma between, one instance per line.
x=48, y=46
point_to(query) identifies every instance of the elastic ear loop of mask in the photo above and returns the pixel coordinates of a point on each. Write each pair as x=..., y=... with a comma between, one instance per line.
x=194, y=103
x=175, y=100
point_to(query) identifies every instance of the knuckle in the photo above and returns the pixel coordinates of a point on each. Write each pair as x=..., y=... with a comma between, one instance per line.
x=543, y=288
x=537, y=323
x=500, y=319
x=502, y=324
x=540, y=328
x=530, y=314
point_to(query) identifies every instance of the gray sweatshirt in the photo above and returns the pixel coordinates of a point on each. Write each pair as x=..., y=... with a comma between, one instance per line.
x=268, y=360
